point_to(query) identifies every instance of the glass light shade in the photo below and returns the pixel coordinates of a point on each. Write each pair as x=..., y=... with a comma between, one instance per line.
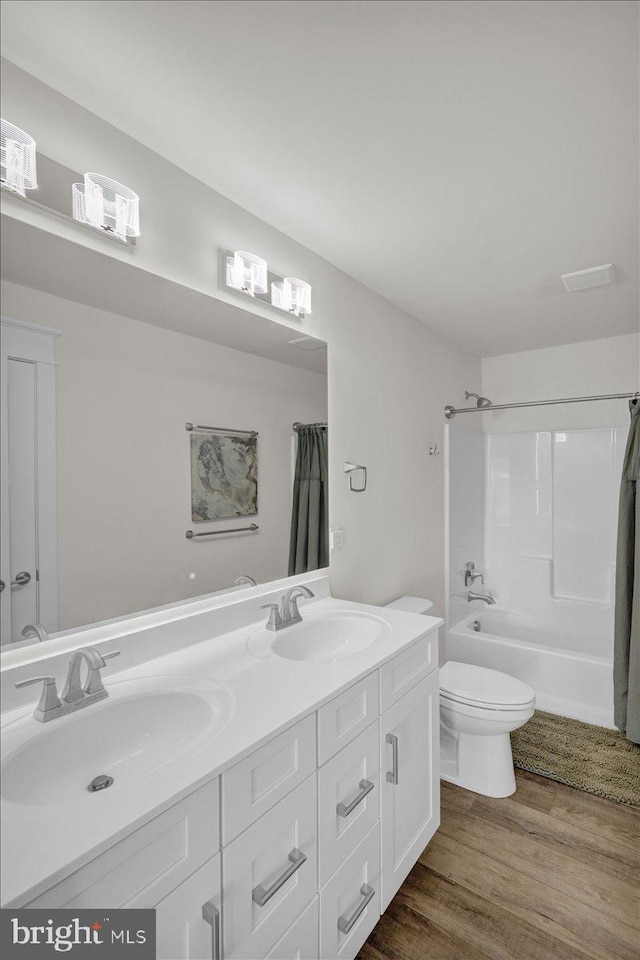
x=17, y=159
x=292, y=295
x=247, y=272
x=107, y=205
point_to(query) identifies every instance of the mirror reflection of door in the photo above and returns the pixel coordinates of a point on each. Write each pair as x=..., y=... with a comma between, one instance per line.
x=27, y=511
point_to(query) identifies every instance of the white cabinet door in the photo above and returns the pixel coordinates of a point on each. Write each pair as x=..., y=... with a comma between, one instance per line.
x=300, y=942
x=348, y=799
x=270, y=874
x=410, y=782
x=188, y=921
x=350, y=902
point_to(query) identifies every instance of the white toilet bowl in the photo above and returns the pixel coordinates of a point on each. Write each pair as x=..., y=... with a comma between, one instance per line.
x=478, y=710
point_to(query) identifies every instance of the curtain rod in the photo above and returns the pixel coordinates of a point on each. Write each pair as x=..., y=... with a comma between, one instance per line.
x=297, y=424
x=450, y=411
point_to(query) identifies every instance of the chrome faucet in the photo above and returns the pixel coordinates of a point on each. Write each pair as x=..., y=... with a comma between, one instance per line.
x=286, y=613
x=470, y=574
x=486, y=597
x=34, y=631
x=76, y=694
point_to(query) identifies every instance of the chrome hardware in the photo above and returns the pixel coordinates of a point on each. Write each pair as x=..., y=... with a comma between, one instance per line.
x=228, y=431
x=75, y=695
x=190, y=535
x=34, y=631
x=486, y=597
x=392, y=776
x=345, y=925
x=49, y=700
x=349, y=468
x=245, y=581
x=476, y=626
x=344, y=809
x=101, y=782
x=22, y=579
x=287, y=613
x=2, y=585
x=261, y=896
x=486, y=406
x=211, y=915
x=470, y=574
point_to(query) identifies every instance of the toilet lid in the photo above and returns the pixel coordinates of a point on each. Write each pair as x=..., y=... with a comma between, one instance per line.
x=468, y=683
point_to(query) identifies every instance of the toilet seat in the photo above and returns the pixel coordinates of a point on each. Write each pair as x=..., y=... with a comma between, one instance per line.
x=474, y=686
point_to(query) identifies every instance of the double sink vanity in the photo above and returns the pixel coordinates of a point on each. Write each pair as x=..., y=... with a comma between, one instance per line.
x=265, y=781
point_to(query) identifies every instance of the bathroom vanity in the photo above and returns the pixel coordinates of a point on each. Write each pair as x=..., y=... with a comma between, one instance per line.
x=271, y=789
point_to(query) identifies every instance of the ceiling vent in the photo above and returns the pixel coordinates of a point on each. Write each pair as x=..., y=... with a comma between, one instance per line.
x=593, y=277
x=307, y=343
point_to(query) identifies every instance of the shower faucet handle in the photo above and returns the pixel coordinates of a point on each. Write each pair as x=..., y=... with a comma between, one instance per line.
x=470, y=575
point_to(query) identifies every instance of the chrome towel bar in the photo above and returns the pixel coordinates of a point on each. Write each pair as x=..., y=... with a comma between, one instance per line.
x=190, y=535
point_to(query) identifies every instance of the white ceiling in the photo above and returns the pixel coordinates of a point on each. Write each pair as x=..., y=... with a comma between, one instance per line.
x=456, y=156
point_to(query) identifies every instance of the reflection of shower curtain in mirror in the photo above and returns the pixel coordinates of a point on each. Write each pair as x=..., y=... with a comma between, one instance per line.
x=309, y=548
x=626, y=653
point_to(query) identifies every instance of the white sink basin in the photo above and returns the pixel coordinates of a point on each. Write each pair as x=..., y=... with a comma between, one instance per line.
x=143, y=726
x=320, y=637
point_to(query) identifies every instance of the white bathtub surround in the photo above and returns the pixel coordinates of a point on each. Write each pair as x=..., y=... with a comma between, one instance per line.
x=252, y=698
x=478, y=710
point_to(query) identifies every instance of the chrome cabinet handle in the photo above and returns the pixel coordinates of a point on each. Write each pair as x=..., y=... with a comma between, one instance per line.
x=344, y=809
x=262, y=896
x=21, y=579
x=2, y=585
x=346, y=924
x=392, y=776
x=211, y=914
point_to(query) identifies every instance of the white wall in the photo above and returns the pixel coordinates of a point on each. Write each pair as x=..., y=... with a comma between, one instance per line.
x=390, y=376
x=125, y=390
x=576, y=370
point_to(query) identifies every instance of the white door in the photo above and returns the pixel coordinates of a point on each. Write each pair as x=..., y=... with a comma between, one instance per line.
x=188, y=921
x=28, y=556
x=410, y=781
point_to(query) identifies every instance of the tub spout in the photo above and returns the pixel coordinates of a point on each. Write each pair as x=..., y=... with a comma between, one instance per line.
x=485, y=597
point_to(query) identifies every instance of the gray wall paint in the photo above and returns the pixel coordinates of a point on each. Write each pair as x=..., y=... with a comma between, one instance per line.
x=389, y=375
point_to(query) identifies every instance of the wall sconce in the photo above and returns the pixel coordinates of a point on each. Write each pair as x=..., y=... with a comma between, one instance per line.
x=292, y=295
x=246, y=272
x=106, y=205
x=17, y=159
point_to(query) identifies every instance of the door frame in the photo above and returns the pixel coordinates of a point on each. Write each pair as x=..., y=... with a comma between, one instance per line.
x=35, y=344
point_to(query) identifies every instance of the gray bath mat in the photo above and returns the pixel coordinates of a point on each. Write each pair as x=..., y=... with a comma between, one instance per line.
x=594, y=759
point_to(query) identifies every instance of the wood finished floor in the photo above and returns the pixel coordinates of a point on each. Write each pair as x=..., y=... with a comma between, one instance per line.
x=550, y=873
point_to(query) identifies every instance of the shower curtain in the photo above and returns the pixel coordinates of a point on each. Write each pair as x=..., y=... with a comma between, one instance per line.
x=309, y=547
x=626, y=652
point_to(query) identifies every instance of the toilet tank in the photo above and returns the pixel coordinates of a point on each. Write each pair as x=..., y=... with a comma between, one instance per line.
x=412, y=605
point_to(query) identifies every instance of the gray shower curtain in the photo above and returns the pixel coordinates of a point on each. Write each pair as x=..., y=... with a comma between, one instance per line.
x=626, y=651
x=309, y=548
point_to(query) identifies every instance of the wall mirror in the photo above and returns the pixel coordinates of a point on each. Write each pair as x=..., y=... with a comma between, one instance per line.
x=104, y=365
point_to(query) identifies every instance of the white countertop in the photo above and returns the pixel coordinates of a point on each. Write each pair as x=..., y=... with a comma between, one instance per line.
x=41, y=844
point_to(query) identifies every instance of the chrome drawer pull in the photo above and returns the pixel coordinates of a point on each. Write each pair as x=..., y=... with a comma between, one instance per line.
x=346, y=925
x=211, y=914
x=392, y=775
x=344, y=809
x=262, y=896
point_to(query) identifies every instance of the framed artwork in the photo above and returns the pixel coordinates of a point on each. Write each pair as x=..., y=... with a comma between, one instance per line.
x=224, y=476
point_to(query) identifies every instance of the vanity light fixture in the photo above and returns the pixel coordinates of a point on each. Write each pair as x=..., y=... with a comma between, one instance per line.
x=17, y=159
x=246, y=272
x=292, y=295
x=106, y=205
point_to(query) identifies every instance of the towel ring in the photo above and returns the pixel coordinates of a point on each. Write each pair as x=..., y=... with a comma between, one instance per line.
x=350, y=468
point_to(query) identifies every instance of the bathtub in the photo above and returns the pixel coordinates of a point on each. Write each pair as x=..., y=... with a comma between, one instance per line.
x=570, y=681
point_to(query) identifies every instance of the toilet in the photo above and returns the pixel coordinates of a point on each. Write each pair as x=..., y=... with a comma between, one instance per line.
x=478, y=710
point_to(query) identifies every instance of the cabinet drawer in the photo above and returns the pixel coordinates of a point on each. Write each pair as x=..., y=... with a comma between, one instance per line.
x=345, y=717
x=144, y=867
x=301, y=941
x=350, y=902
x=350, y=779
x=182, y=933
x=258, y=782
x=254, y=867
x=408, y=668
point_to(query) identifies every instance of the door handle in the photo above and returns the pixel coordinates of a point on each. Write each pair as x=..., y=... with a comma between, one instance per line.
x=211, y=914
x=344, y=809
x=261, y=896
x=21, y=579
x=346, y=924
x=392, y=775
